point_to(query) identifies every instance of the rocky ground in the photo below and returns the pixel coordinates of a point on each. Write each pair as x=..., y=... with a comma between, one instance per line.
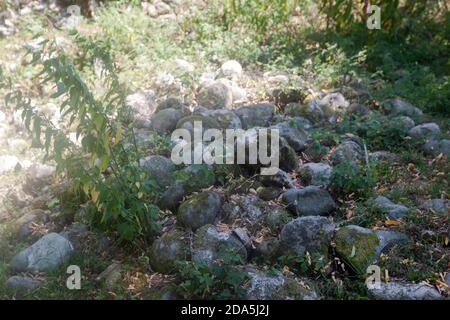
x=361, y=182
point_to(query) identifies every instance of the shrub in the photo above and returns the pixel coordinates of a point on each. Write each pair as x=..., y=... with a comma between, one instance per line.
x=105, y=166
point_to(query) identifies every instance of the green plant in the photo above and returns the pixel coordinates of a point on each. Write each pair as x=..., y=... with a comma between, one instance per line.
x=218, y=281
x=105, y=165
x=305, y=265
x=350, y=179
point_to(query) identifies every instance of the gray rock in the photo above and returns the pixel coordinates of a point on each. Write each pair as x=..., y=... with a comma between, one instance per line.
x=47, y=253
x=111, y=275
x=205, y=122
x=263, y=286
x=250, y=208
x=385, y=156
x=160, y=168
x=296, y=137
x=8, y=163
x=258, y=115
x=316, y=174
x=395, y=211
x=312, y=110
x=310, y=201
x=406, y=122
x=288, y=157
x=358, y=109
x=172, y=103
x=436, y=147
x=398, y=106
x=165, y=121
x=227, y=119
x=26, y=222
x=243, y=236
x=173, y=195
x=215, y=95
x=142, y=105
x=424, y=131
x=437, y=205
x=167, y=250
x=349, y=151
x=311, y=234
x=333, y=103
x=281, y=179
x=210, y=244
x=199, y=210
x=447, y=278
x=231, y=69
x=268, y=193
x=396, y=290
x=22, y=283
x=75, y=233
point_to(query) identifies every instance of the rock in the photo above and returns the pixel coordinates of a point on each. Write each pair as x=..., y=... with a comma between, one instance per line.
x=424, y=131
x=288, y=157
x=215, y=95
x=142, y=105
x=162, y=8
x=311, y=234
x=263, y=286
x=406, y=122
x=209, y=244
x=173, y=195
x=184, y=66
x=231, y=69
x=310, y=201
x=447, y=278
x=257, y=115
x=167, y=250
x=311, y=111
x=199, y=210
x=360, y=247
x=40, y=172
x=111, y=275
x=160, y=168
x=76, y=234
x=437, y=205
x=357, y=246
x=281, y=179
x=25, y=223
x=285, y=95
x=22, y=283
x=398, y=106
x=333, y=103
x=347, y=151
x=268, y=249
x=172, y=103
x=8, y=163
x=227, y=119
x=316, y=174
x=383, y=156
x=436, y=147
x=397, y=290
x=165, y=121
x=358, y=109
x=204, y=121
x=198, y=176
x=296, y=137
x=268, y=193
x=245, y=208
x=395, y=211
x=46, y=254
x=243, y=236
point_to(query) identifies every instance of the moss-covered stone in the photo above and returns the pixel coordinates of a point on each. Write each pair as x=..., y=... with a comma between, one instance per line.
x=357, y=247
x=268, y=193
x=206, y=122
x=199, y=210
x=167, y=250
x=196, y=177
